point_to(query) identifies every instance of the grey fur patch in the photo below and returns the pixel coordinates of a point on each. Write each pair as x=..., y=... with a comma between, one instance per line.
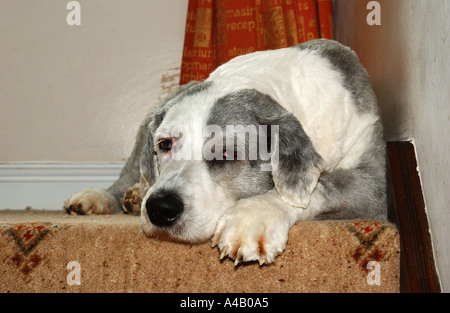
x=296, y=152
x=345, y=60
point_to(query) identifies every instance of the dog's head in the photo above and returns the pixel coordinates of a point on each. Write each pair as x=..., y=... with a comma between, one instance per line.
x=205, y=150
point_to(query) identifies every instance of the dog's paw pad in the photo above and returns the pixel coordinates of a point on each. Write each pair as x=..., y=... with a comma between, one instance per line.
x=90, y=201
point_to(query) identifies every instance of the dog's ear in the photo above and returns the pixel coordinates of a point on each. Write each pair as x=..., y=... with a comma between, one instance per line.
x=148, y=162
x=296, y=166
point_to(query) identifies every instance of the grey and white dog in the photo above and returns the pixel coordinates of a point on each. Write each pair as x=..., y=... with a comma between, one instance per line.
x=317, y=153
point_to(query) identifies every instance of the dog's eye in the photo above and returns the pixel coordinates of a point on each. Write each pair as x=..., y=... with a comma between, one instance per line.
x=229, y=155
x=165, y=145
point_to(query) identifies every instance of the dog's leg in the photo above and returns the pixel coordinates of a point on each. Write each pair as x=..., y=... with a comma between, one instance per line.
x=99, y=201
x=350, y=194
x=255, y=229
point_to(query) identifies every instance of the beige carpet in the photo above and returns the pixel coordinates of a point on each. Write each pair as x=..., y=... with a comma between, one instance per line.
x=114, y=256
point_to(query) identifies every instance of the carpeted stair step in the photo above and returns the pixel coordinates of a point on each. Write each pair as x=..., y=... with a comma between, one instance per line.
x=45, y=251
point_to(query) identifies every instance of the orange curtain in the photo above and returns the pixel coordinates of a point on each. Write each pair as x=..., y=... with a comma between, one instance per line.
x=219, y=30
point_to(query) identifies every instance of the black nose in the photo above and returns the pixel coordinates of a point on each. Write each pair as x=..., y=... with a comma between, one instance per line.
x=164, y=210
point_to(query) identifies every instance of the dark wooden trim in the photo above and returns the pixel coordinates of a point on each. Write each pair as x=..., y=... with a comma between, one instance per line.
x=407, y=210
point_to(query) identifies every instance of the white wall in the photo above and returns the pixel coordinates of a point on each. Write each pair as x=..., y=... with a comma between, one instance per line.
x=78, y=93
x=407, y=57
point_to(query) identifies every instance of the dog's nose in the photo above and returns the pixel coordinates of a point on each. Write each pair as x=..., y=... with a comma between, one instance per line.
x=164, y=210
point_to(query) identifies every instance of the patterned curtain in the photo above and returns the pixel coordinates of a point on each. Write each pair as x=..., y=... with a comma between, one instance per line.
x=219, y=30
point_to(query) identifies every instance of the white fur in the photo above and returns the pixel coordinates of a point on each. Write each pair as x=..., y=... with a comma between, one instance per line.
x=205, y=201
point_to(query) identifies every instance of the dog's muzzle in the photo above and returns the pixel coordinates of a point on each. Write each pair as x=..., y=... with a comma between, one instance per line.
x=164, y=209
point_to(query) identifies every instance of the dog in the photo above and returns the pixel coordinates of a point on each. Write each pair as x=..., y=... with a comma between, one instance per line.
x=269, y=139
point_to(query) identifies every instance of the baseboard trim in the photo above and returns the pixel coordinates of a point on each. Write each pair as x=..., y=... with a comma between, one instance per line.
x=45, y=185
x=407, y=210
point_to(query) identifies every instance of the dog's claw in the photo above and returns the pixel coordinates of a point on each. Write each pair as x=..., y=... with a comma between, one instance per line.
x=223, y=253
x=215, y=239
x=239, y=257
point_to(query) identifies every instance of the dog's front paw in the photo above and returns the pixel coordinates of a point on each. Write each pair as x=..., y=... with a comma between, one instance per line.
x=91, y=201
x=253, y=230
x=131, y=200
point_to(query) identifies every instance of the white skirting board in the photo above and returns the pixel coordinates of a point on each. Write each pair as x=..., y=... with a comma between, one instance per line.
x=45, y=185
